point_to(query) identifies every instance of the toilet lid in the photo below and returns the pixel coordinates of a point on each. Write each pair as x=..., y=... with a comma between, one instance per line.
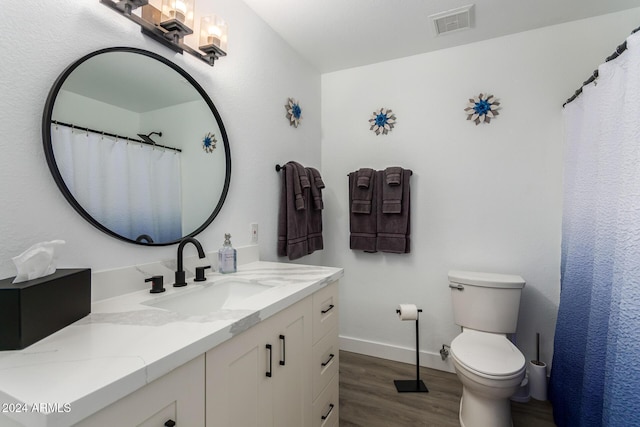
x=487, y=353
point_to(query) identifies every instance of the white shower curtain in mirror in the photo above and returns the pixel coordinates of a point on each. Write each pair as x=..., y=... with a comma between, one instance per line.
x=130, y=188
x=595, y=378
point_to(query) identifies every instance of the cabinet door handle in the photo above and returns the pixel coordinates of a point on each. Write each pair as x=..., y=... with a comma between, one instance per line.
x=331, y=356
x=170, y=423
x=328, y=309
x=284, y=349
x=325, y=416
x=270, y=360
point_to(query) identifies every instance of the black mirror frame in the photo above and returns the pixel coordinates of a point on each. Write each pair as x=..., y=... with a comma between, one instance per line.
x=53, y=167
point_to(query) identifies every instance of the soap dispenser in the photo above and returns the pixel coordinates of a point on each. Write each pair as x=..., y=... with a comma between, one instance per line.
x=227, y=258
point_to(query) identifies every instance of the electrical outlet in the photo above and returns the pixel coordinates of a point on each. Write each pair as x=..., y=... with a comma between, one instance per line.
x=254, y=232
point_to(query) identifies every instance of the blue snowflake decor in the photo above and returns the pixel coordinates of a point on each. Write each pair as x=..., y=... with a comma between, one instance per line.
x=209, y=142
x=294, y=112
x=382, y=121
x=482, y=109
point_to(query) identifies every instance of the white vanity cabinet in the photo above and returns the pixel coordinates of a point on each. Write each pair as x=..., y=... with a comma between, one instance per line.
x=261, y=377
x=325, y=357
x=267, y=375
x=179, y=369
x=280, y=372
x=176, y=399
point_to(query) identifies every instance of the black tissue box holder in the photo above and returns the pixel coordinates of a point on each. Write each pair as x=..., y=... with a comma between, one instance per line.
x=35, y=309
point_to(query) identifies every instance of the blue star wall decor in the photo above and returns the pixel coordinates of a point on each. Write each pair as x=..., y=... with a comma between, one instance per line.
x=294, y=112
x=382, y=121
x=482, y=108
x=209, y=142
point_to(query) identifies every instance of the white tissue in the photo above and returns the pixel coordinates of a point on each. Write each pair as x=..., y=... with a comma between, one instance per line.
x=37, y=261
x=407, y=312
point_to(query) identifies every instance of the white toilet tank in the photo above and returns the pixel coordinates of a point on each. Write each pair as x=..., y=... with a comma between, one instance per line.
x=486, y=302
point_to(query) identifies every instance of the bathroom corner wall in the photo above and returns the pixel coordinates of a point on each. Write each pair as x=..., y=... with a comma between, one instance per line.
x=249, y=88
x=484, y=198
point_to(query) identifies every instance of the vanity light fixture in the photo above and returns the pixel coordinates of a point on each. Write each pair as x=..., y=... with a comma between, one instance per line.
x=172, y=23
x=213, y=37
x=177, y=19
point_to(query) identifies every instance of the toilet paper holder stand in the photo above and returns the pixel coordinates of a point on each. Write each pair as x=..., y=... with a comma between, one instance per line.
x=417, y=385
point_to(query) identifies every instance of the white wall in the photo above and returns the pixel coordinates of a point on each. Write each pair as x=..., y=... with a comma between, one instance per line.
x=88, y=112
x=249, y=88
x=484, y=198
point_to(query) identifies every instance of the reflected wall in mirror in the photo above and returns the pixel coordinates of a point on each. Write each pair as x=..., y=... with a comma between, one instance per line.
x=95, y=121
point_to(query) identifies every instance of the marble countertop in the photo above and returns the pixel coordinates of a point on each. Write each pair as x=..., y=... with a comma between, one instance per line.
x=124, y=345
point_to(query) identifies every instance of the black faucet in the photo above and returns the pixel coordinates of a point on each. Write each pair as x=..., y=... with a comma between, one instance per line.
x=180, y=275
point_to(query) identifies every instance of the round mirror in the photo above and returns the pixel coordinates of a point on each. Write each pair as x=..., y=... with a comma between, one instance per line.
x=136, y=146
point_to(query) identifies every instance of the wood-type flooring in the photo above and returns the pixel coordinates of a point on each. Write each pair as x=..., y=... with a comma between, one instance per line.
x=368, y=397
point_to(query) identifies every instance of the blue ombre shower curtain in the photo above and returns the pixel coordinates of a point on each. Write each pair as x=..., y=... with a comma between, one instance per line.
x=595, y=379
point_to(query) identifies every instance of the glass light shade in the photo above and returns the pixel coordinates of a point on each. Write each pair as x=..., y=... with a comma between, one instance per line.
x=180, y=10
x=213, y=31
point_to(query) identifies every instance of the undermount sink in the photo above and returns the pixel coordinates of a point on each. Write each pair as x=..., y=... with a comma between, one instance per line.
x=200, y=299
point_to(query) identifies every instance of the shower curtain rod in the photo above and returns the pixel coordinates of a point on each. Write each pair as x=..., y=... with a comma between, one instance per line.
x=621, y=48
x=113, y=135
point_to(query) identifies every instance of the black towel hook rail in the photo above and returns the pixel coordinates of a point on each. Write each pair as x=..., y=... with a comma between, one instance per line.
x=410, y=172
x=279, y=168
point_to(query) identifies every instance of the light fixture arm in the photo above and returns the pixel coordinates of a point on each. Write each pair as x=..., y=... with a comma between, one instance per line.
x=159, y=34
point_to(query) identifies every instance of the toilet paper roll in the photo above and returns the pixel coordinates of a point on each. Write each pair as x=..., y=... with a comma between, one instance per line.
x=407, y=312
x=538, y=380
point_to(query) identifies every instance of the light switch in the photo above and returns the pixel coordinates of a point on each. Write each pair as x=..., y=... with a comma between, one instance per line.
x=254, y=233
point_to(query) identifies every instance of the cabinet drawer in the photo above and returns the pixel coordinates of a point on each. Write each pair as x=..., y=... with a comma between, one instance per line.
x=326, y=407
x=326, y=359
x=177, y=396
x=161, y=417
x=325, y=311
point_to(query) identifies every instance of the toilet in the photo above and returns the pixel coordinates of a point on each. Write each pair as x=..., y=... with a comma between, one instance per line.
x=489, y=366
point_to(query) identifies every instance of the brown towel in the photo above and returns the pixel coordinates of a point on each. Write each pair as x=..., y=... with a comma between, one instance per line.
x=314, y=216
x=292, y=221
x=362, y=192
x=302, y=175
x=300, y=184
x=297, y=188
x=393, y=175
x=317, y=179
x=364, y=177
x=394, y=229
x=392, y=191
x=362, y=225
x=316, y=187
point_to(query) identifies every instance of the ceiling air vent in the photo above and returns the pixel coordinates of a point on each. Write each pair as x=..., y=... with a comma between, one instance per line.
x=453, y=20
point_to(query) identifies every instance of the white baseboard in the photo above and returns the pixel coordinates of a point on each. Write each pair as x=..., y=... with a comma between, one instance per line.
x=396, y=353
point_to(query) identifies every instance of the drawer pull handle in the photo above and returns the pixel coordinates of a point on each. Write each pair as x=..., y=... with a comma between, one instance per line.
x=325, y=416
x=331, y=356
x=270, y=360
x=284, y=349
x=328, y=309
x=170, y=423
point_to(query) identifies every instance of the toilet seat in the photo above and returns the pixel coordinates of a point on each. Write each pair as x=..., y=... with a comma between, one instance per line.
x=488, y=355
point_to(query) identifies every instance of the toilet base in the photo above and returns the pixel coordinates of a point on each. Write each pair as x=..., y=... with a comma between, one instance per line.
x=477, y=411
